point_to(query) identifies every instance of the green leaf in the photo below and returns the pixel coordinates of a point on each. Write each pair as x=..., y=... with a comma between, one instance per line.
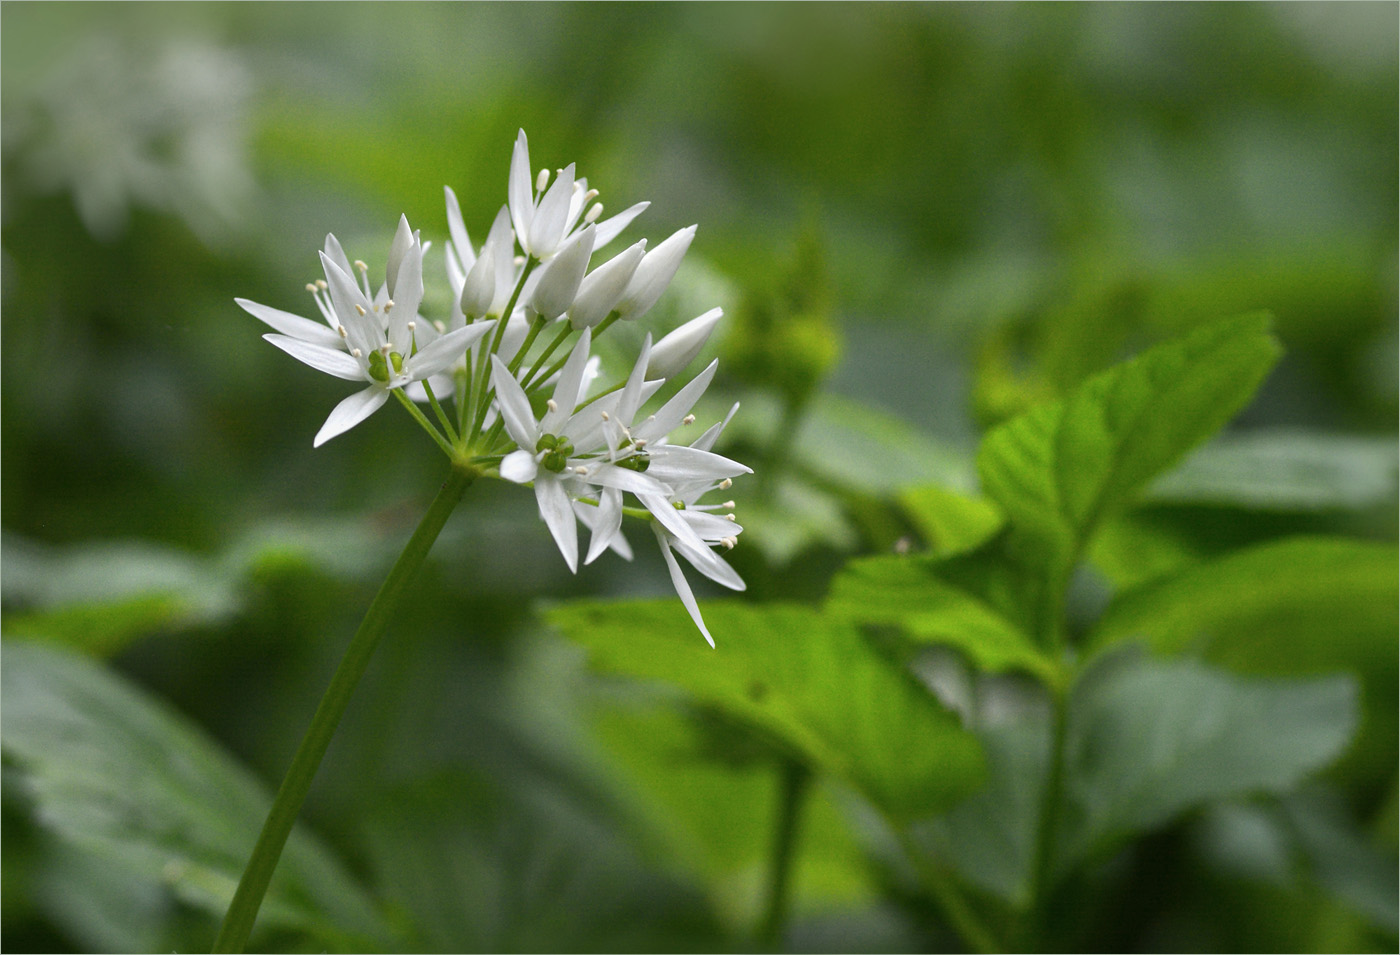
x=1294, y=607
x=908, y=593
x=115, y=774
x=482, y=866
x=711, y=801
x=101, y=597
x=811, y=682
x=1060, y=469
x=949, y=522
x=1148, y=740
x=795, y=517
x=1285, y=471
x=1297, y=606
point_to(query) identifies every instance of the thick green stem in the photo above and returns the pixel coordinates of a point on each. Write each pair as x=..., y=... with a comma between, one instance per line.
x=792, y=791
x=243, y=911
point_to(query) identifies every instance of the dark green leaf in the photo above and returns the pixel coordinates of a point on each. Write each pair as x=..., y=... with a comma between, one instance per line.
x=810, y=681
x=908, y=593
x=113, y=773
x=1148, y=740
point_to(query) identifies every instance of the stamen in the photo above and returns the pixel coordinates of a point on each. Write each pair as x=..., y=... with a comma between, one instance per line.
x=688, y=419
x=385, y=349
x=580, y=470
x=321, y=284
x=729, y=542
x=728, y=505
x=518, y=261
x=388, y=305
x=606, y=417
x=542, y=180
x=593, y=213
x=726, y=484
x=552, y=405
x=590, y=195
x=441, y=326
x=357, y=353
x=640, y=443
x=359, y=264
x=361, y=309
x=412, y=326
x=730, y=517
x=311, y=287
x=341, y=330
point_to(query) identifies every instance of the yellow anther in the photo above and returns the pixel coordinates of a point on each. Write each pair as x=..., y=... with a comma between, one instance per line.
x=726, y=484
x=361, y=265
x=311, y=287
x=361, y=309
x=688, y=419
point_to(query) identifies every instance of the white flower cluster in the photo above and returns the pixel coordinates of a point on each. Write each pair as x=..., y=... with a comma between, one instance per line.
x=511, y=312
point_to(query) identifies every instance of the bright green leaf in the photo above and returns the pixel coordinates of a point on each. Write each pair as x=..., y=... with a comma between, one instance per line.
x=809, y=681
x=1061, y=468
x=949, y=522
x=1297, y=606
x=115, y=774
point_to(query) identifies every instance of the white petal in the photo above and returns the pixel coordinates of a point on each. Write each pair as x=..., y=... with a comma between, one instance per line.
x=707, y=440
x=710, y=564
x=559, y=516
x=585, y=429
x=521, y=191
x=674, y=464
x=407, y=297
x=336, y=254
x=519, y=466
x=332, y=361
x=679, y=348
x=674, y=411
x=351, y=412
x=515, y=406
x=551, y=216
x=442, y=353
x=362, y=328
x=611, y=227
x=669, y=518
x=631, y=398
x=502, y=237
x=655, y=274
x=293, y=325
x=682, y=586
x=625, y=479
x=561, y=277
x=403, y=241
x=566, y=390
x=461, y=241
x=606, y=523
x=602, y=287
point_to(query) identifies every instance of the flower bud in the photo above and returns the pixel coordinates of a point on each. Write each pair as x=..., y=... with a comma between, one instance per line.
x=603, y=286
x=654, y=274
x=562, y=276
x=479, y=289
x=678, y=349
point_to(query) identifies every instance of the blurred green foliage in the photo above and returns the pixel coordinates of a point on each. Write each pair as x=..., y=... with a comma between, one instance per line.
x=923, y=221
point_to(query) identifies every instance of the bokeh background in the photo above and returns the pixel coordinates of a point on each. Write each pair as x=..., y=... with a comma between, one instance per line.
x=920, y=219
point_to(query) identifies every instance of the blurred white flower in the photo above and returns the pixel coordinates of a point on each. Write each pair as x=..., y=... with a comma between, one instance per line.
x=119, y=127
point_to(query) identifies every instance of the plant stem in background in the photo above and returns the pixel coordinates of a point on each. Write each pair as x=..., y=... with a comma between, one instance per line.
x=1042, y=866
x=793, y=785
x=243, y=910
